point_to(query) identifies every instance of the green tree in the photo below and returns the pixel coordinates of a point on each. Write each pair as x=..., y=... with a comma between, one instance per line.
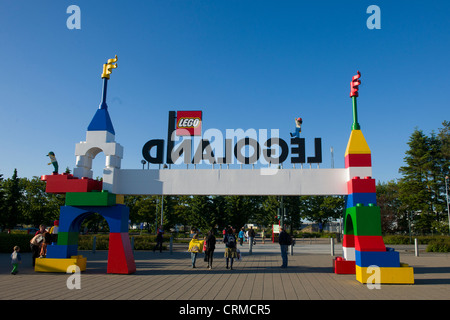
x=37, y=206
x=321, y=209
x=11, y=214
x=422, y=186
x=393, y=218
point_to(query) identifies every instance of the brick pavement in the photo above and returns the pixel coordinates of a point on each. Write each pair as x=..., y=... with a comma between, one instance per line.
x=165, y=276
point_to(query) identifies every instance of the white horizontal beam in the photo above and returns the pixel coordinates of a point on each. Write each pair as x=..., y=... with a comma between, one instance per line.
x=235, y=181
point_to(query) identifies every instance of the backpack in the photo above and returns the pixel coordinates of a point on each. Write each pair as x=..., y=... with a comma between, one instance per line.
x=231, y=241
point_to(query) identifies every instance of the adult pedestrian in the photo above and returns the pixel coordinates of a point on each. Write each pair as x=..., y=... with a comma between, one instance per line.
x=210, y=247
x=285, y=241
x=251, y=239
x=35, y=244
x=195, y=246
x=230, y=247
x=159, y=239
x=241, y=236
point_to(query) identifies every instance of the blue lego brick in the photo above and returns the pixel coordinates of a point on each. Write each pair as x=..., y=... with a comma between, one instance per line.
x=61, y=251
x=364, y=198
x=377, y=258
x=116, y=216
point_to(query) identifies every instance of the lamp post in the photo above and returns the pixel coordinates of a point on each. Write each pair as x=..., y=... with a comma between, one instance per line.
x=448, y=208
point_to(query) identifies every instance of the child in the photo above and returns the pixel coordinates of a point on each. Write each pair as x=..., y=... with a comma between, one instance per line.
x=298, y=127
x=15, y=260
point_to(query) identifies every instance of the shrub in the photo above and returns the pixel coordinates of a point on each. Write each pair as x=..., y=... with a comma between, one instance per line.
x=439, y=245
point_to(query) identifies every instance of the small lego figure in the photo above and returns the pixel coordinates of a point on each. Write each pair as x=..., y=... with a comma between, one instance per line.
x=51, y=154
x=298, y=127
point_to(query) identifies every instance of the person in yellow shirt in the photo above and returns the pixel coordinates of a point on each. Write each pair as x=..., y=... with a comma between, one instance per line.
x=195, y=246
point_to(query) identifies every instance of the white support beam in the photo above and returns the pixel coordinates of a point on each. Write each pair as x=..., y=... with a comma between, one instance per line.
x=235, y=181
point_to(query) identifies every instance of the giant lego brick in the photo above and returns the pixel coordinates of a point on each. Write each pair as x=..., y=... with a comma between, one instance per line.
x=377, y=258
x=348, y=241
x=360, y=197
x=59, y=265
x=71, y=217
x=94, y=198
x=365, y=220
x=342, y=266
x=369, y=243
x=62, y=251
x=358, y=185
x=358, y=160
x=120, y=255
x=357, y=144
x=63, y=183
x=68, y=238
x=385, y=275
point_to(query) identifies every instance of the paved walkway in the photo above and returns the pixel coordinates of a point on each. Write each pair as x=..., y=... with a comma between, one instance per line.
x=165, y=276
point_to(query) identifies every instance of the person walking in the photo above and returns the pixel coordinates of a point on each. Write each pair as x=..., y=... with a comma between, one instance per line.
x=251, y=240
x=159, y=239
x=15, y=260
x=195, y=246
x=284, y=240
x=210, y=247
x=230, y=247
x=241, y=236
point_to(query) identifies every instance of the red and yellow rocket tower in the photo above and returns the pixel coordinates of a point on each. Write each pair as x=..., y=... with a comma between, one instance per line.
x=363, y=247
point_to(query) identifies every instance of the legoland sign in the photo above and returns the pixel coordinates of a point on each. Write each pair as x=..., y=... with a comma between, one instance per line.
x=243, y=146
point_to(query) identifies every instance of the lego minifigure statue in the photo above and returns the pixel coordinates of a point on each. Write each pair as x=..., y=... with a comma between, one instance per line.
x=298, y=127
x=51, y=154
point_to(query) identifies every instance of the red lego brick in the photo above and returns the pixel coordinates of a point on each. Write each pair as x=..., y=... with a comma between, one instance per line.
x=342, y=266
x=358, y=160
x=348, y=241
x=63, y=183
x=357, y=185
x=369, y=243
x=120, y=255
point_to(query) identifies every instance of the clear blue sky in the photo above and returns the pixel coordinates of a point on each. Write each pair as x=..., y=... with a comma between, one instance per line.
x=244, y=63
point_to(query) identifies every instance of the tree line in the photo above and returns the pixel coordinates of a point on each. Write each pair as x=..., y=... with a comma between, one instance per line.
x=417, y=201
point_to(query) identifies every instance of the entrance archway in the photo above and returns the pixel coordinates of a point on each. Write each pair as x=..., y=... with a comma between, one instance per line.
x=120, y=255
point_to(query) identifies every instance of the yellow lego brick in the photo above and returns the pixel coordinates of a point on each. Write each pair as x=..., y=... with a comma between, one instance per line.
x=357, y=144
x=120, y=199
x=388, y=275
x=59, y=265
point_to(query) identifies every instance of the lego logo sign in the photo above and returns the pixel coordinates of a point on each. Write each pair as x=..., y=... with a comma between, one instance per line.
x=189, y=123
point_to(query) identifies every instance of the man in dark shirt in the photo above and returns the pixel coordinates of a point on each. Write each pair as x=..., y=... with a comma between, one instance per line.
x=284, y=240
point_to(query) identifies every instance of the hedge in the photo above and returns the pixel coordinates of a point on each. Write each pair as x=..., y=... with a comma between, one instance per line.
x=9, y=241
x=439, y=245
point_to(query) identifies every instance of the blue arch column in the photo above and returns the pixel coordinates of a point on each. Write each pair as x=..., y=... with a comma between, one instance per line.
x=120, y=254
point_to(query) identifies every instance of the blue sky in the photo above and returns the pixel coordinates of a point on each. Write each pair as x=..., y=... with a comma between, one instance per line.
x=244, y=63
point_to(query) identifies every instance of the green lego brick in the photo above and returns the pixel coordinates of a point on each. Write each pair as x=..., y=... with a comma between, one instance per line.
x=67, y=238
x=363, y=221
x=103, y=198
